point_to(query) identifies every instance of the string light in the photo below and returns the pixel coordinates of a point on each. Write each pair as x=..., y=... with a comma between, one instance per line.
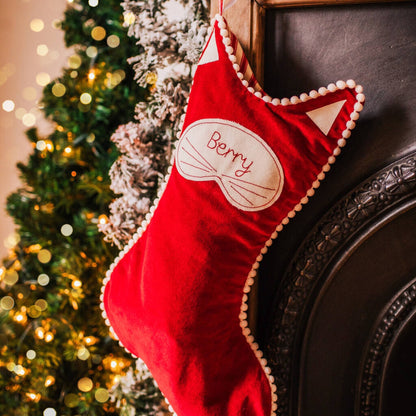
x=20, y=317
x=49, y=337
x=40, y=332
x=93, y=3
x=40, y=145
x=103, y=219
x=19, y=370
x=91, y=75
x=49, y=381
x=90, y=340
x=35, y=397
x=68, y=150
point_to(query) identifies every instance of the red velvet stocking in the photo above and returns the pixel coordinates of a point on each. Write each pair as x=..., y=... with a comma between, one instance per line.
x=245, y=164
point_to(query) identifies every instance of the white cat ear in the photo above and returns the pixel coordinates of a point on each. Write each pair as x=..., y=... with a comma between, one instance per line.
x=324, y=117
x=210, y=54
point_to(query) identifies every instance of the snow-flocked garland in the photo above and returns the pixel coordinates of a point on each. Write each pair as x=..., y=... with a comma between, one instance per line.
x=358, y=106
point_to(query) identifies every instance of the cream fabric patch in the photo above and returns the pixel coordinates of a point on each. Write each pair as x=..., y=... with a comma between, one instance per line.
x=210, y=54
x=242, y=163
x=324, y=117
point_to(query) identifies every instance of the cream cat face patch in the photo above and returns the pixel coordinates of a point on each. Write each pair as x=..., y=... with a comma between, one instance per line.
x=243, y=165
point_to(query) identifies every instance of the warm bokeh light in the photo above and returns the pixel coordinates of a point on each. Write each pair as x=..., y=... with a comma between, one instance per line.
x=49, y=381
x=11, y=277
x=71, y=400
x=7, y=303
x=85, y=98
x=102, y=219
x=91, y=51
x=101, y=395
x=58, y=89
x=29, y=120
x=43, y=279
x=43, y=78
x=37, y=25
x=30, y=354
x=41, y=304
x=74, y=61
x=8, y=105
x=85, y=384
x=98, y=33
x=76, y=284
x=44, y=256
x=129, y=18
x=49, y=336
x=67, y=230
x=93, y=3
x=113, y=41
x=83, y=354
x=40, y=332
x=42, y=50
x=29, y=93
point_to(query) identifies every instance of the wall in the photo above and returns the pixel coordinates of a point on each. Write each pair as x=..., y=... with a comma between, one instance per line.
x=19, y=66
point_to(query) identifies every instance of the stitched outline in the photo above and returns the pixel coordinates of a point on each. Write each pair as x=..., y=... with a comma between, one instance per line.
x=224, y=181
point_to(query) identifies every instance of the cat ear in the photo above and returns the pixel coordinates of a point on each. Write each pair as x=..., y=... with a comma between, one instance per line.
x=324, y=117
x=210, y=53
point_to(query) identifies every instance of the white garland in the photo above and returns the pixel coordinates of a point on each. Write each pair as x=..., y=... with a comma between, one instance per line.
x=170, y=36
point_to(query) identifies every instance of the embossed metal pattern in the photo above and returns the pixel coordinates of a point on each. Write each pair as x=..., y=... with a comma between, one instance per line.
x=381, y=193
x=382, y=340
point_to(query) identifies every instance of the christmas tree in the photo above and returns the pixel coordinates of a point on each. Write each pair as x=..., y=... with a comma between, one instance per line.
x=57, y=356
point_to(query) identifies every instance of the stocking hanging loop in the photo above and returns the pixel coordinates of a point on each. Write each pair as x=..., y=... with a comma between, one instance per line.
x=221, y=7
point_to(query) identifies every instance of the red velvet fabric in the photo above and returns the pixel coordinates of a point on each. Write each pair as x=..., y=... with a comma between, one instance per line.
x=174, y=298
